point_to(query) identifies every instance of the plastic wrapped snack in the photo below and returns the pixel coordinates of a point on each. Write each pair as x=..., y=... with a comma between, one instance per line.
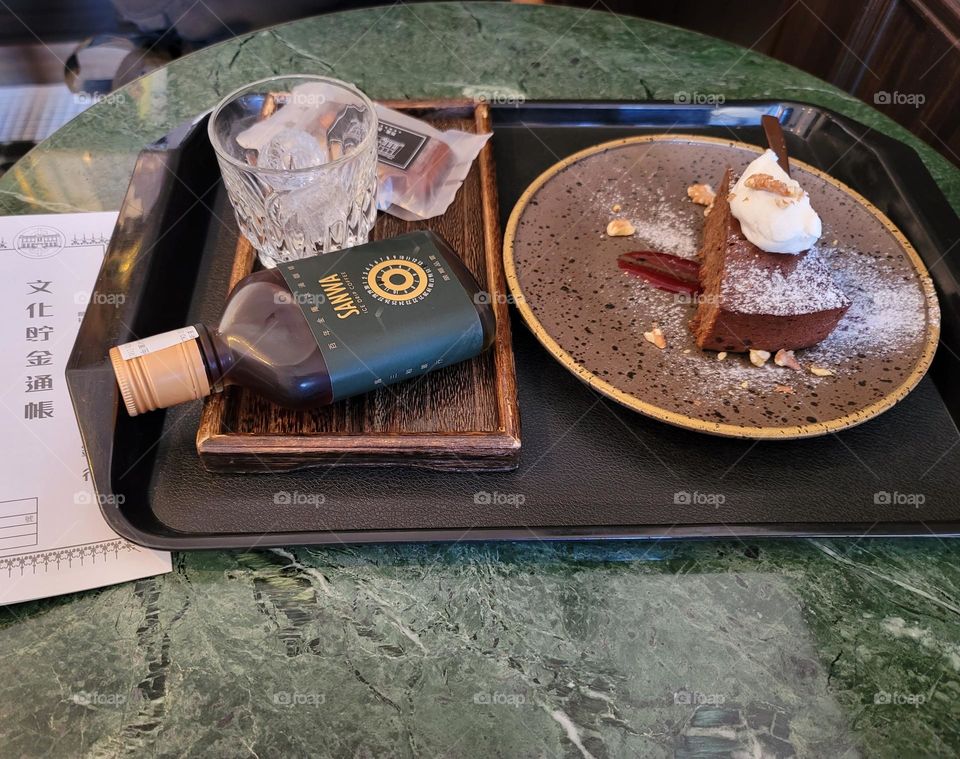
x=420, y=167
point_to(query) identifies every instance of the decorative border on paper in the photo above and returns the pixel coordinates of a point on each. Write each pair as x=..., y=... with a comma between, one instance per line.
x=66, y=557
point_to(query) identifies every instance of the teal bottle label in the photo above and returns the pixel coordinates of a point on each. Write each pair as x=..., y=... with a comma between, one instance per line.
x=385, y=312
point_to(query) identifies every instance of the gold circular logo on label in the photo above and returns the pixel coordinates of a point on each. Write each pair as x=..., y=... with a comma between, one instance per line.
x=398, y=280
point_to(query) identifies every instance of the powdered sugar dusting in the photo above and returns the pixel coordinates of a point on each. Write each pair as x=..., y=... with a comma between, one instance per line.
x=887, y=315
x=804, y=285
x=658, y=225
x=706, y=376
x=887, y=312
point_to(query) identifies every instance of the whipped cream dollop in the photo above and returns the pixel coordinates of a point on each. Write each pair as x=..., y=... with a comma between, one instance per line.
x=770, y=218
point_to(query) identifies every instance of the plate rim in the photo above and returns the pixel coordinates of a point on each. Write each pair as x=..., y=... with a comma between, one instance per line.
x=721, y=429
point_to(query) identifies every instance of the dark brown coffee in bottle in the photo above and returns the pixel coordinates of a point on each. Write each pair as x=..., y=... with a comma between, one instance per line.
x=313, y=331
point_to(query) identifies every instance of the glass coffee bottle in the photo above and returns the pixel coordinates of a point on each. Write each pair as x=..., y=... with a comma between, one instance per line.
x=314, y=331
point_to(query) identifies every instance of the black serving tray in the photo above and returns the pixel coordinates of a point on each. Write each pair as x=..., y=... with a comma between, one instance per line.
x=590, y=469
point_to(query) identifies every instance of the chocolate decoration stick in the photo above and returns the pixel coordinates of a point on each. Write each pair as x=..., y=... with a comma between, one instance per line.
x=776, y=140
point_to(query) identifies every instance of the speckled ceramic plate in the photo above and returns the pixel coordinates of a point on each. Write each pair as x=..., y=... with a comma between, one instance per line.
x=562, y=271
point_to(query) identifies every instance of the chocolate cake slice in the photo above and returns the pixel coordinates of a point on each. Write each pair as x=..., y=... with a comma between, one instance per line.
x=755, y=299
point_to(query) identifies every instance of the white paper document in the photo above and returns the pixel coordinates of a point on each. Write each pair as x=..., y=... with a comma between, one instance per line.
x=53, y=539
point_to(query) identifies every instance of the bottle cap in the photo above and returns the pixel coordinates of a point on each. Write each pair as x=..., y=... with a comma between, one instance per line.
x=161, y=378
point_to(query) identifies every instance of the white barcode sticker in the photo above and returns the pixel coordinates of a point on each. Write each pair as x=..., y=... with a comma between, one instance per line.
x=157, y=342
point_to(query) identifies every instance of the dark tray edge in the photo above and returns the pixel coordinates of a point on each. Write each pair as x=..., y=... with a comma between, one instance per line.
x=706, y=531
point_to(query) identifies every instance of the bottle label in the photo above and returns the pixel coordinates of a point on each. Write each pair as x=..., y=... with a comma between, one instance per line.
x=157, y=342
x=385, y=312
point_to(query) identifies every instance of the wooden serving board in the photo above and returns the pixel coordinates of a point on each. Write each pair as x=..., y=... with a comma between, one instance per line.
x=460, y=418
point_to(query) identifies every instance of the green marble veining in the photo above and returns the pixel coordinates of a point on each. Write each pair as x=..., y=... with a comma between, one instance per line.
x=511, y=650
x=808, y=648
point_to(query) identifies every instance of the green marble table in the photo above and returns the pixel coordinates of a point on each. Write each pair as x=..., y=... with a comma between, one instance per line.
x=651, y=650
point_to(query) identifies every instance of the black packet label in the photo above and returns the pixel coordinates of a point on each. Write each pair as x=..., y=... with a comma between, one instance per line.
x=397, y=146
x=386, y=311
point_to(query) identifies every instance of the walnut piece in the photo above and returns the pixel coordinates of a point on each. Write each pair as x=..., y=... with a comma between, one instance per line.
x=770, y=184
x=759, y=358
x=787, y=359
x=656, y=337
x=620, y=228
x=820, y=371
x=785, y=389
x=701, y=194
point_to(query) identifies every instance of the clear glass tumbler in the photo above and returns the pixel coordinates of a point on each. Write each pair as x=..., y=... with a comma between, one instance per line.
x=298, y=156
